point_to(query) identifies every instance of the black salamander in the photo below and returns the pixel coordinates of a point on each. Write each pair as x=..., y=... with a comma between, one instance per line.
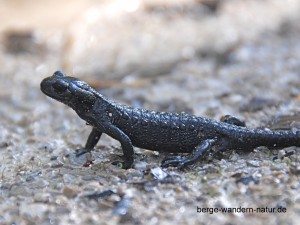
x=159, y=131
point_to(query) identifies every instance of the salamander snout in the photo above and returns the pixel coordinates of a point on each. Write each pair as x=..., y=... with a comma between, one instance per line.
x=46, y=85
x=56, y=86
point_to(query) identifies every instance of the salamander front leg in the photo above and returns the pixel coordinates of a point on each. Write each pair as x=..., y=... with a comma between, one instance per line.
x=90, y=143
x=199, y=152
x=126, y=145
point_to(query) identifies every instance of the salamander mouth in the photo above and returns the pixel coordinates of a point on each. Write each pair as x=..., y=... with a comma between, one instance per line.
x=45, y=86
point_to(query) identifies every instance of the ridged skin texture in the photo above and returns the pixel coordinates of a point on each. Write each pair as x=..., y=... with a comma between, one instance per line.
x=160, y=131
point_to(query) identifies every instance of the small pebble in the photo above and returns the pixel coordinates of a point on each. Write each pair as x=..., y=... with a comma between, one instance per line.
x=56, y=164
x=42, y=197
x=281, y=154
x=253, y=163
x=61, y=200
x=158, y=173
x=4, y=144
x=71, y=191
x=141, y=165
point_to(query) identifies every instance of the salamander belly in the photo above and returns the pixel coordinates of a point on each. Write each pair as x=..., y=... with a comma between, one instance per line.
x=164, y=140
x=160, y=131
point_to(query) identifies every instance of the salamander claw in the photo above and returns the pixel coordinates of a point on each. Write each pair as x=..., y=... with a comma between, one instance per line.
x=179, y=162
x=82, y=151
x=198, y=154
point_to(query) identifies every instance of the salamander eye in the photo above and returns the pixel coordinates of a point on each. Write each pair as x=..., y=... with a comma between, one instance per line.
x=59, y=74
x=60, y=86
x=82, y=84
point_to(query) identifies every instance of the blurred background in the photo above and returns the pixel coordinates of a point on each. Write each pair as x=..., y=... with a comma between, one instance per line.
x=112, y=42
x=113, y=38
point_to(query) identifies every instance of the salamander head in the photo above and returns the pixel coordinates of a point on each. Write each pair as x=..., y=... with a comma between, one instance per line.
x=69, y=90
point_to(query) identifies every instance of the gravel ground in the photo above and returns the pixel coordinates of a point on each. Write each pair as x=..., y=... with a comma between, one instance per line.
x=209, y=58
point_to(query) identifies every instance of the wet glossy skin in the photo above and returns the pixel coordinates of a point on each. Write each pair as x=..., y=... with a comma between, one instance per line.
x=159, y=131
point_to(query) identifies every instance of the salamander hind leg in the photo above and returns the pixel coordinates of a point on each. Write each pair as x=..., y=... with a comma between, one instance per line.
x=198, y=153
x=232, y=120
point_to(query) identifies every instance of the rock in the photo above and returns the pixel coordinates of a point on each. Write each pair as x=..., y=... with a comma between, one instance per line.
x=253, y=163
x=71, y=191
x=42, y=197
